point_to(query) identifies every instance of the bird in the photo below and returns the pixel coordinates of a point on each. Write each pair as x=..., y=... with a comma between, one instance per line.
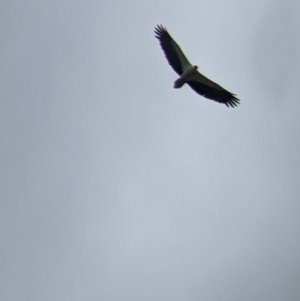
x=189, y=74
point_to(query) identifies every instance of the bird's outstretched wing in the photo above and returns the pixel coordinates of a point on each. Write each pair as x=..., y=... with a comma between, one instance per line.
x=173, y=53
x=209, y=89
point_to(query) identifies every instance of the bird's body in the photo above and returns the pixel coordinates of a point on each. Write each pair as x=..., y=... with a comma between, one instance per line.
x=185, y=76
x=189, y=73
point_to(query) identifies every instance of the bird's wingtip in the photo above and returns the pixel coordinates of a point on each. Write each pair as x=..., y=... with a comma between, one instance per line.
x=233, y=101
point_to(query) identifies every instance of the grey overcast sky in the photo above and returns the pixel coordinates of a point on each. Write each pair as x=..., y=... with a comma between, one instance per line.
x=115, y=186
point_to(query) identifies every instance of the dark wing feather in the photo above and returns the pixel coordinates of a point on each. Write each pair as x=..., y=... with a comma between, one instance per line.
x=172, y=51
x=222, y=96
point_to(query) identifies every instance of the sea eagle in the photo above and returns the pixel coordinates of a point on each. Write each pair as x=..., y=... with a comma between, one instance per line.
x=189, y=73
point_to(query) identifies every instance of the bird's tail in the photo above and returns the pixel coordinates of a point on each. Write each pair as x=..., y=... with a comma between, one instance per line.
x=179, y=82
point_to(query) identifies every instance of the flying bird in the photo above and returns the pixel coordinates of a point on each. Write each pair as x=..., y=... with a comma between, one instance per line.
x=189, y=73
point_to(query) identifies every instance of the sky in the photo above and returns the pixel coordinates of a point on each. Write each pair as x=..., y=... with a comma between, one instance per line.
x=115, y=186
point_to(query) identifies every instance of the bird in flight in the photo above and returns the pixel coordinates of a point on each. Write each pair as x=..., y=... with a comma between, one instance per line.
x=189, y=73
